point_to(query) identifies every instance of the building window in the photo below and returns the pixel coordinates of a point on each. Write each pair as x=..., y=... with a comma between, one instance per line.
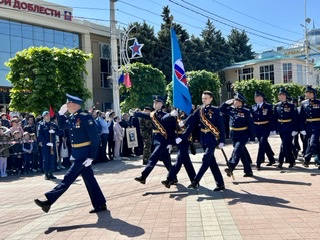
x=245, y=74
x=267, y=73
x=16, y=36
x=105, y=66
x=287, y=73
x=299, y=74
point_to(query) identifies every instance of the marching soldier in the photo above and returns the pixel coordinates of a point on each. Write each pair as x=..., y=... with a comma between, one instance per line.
x=146, y=134
x=286, y=117
x=241, y=130
x=212, y=135
x=310, y=124
x=85, y=145
x=264, y=125
x=47, y=132
x=184, y=130
x=163, y=133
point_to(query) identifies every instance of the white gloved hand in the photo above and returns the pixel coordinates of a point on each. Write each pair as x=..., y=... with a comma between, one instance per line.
x=181, y=123
x=221, y=145
x=303, y=133
x=174, y=113
x=49, y=144
x=294, y=133
x=272, y=133
x=63, y=109
x=51, y=131
x=87, y=162
x=169, y=147
x=230, y=101
x=178, y=140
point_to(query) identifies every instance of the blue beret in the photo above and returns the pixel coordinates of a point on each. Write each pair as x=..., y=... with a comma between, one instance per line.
x=258, y=93
x=283, y=91
x=74, y=99
x=158, y=98
x=310, y=89
x=240, y=97
x=44, y=113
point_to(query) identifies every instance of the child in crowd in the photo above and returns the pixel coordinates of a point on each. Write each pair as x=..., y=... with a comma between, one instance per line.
x=4, y=150
x=16, y=153
x=35, y=153
x=27, y=147
x=117, y=137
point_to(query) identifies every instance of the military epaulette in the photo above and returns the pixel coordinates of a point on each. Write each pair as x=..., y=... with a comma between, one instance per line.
x=84, y=113
x=215, y=107
x=304, y=101
x=247, y=109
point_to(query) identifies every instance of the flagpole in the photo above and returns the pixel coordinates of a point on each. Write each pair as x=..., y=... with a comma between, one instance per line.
x=114, y=60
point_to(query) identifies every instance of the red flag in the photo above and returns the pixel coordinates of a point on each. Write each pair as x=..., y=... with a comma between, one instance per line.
x=51, y=112
x=127, y=80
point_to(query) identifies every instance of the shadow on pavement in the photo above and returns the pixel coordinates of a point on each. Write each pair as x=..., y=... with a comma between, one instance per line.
x=256, y=179
x=105, y=220
x=247, y=197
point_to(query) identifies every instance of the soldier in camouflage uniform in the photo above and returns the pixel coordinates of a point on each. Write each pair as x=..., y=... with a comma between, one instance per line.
x=146, y=134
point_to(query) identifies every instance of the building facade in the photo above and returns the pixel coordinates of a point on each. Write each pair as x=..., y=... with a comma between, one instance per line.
x=39, y=23
x=273, y=66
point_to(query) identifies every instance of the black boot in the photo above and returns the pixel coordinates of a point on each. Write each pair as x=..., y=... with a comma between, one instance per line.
x=45, y=205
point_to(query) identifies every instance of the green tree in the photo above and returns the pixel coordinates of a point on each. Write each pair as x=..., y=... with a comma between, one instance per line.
x=295, y=90
x=42, y=76
x=192, y=55
x=218, y=54
x=146, y=81
x=240, y=48
x=200, y=81
x=247, y=88
x=163, y=59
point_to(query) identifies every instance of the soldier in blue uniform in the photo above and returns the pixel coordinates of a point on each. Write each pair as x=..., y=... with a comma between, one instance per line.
x=264, y=124
x=84, y=142
x=241, y=130
x=310, y=123
x=184, y=130
x=163, y=125
x=47, y=131
x=286, y=117
x=212, y=134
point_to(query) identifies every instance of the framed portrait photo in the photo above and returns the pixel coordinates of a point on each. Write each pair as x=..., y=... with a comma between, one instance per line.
x=132, y=137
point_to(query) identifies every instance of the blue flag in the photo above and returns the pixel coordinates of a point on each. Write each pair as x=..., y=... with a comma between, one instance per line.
x=181, y=94
x=121, y=78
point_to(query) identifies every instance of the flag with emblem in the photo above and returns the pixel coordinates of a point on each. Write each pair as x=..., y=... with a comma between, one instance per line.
x=181, y=94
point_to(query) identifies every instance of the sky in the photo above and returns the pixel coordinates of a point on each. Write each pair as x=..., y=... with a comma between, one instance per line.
x=268, y=24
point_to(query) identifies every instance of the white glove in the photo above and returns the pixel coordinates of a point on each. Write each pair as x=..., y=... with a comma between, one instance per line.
x=63, y=109
x=169, y=147
x=181, y=123
x=294, y=133
x=87, y=162
x=230, y=101
x=272, y=133
x=303, y=132
x=221, y=145
x=49, y=144
x=51, y=131
x=174, y=113
x=178, y=140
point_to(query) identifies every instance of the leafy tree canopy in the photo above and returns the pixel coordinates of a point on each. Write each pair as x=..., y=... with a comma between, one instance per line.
x=41, y=77
x=203, y=80
x=248, y=88
x=146, y=81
